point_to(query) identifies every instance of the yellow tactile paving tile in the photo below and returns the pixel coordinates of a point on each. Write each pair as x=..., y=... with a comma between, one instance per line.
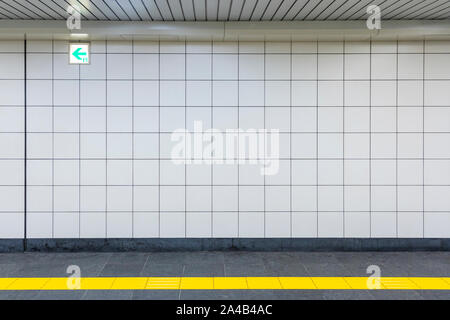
x=431, y=283
x=330, y=283
x=297, y=283
x=230, y=283
x=162, y=283
x=262, y=283
x=199, y=283
x=28, y=284
x=129, y=283
x=226, y=283
x=398, y=283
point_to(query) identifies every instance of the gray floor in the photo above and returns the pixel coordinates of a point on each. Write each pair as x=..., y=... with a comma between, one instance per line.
x=226, y=264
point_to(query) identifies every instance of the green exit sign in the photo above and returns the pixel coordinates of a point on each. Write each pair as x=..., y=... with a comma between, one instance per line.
x=79, y=53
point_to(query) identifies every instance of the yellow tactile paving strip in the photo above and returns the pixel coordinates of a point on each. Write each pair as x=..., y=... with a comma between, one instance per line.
x=226, y=283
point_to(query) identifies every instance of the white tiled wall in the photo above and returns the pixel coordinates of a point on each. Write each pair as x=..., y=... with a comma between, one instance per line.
x=365, y=139
x=12, y=139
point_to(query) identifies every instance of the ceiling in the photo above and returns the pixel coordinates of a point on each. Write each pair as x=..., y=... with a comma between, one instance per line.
x=223, y=10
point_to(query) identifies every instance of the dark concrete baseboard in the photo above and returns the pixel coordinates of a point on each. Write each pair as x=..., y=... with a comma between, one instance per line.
x=224, y=244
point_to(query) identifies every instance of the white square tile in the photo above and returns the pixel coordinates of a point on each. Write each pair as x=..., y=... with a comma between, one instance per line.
x=357, y=66
x=278, y=224
x=410, y=145
x=357, y=198
x=146, y=119
x=172, y=198
x=93, y=119
x=357, y=224
x=330, y=198
x=383, y=93
x=251, y=198
x=198, y=198
x=278, y=66
x=436, y=198
x=411, y=46
x=39, y=172
x=410, y=66
x=172, y=93
x=39, y=93
x=384, y=119
x=173, y=225
x=304, y=224
x=251, y=118
x=437, y=93
x=225, y=93
x=383, y=172
x=304, y=198
x=436, y=145
x=120, y=119
x=40, y=225
x=281, y=173
x=93, y=198
x=383, y=145
x=93, y=145
x=384, y=224
x=410, y=119
x=330, y=172
x=251, y=47
x=119, y=198
x=330, y=67
x=171, y=173
x=384, y=47
x=330, y=47
x=330, y=145
x=277, y=93
x=11, y=66
x=62, y=69
x=251, y=67
x=198, y=93
x=146, y=66
x=357, y=93
x=410, y=224
x=304, y=119
x=304, y=67
x=39, y=66
x=330, y=225
x=437, y=172
x=225, y=174
x=172, y=118
x=304, y=172
x=119, y=145
x=11, y=145
x=330, y=93
x=225, y=47
x=38, y=199
x=304, y=145
x=65, y=198
x=250, y=174
x=356, y=145
x=356, y=172
x=225, y=198
x=146, y=225
x=198, y=174
x=66, y=92
x=66, y=225
x=410, y=198
x=435, y=225
x=119, y=172
x=304, y=47
x=198, y=67
x=11, y=92
x=146, y=172
x=145, y=93
x=198, y=225
x=93, y=225
x=116, y=46
x=357, y=47
x=92, y=172
x=172, y=66
x=277, y=198
x=172, y=47
x=65, y=119
x=225, y=224
x=96, y=70
x=199, y=47
x=119, y=225
x=12, y=172
x=66, y=172
x=93, y=93
x=11, y=119
x=12, y=199
x=304, y=93
x=384, y=66
x=66, y=145
x=357, y=119
x=146, y=198
x=436, y=119
x=119, y=93
x=330, y=119
x=437, y=66
x=11, y=225
x=225, y=67
x=39, y=145
x=410, y=93
x=251, y=93
x=251, y=224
